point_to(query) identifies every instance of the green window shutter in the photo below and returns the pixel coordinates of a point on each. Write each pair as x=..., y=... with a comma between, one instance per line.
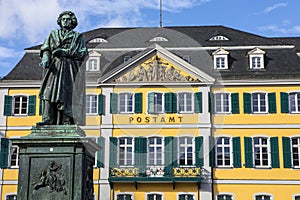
x=113, y=152
x=274, y=152
x=284, y=102
x=31, y=105
x=40, y=107
x=199, y=151
x=138, y=103
x=168, y=156
x=100, y=104
x=168, y=102
x=140, y=154
x=175, y=152
x=247, y=103
x=272, y=102
x=151, y=106
x=286, y=147
x=235, y=108
x=113, y=103
x=236, y=144
x=174, y=103
x=198, y=102
x=100, y=155
x=248, y=152
x=4, y=152
x=212, y=152
x=7, y=105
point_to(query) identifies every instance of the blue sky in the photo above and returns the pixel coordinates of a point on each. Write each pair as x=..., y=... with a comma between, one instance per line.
x=26, y=23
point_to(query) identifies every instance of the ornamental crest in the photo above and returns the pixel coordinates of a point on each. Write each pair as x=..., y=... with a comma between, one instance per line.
x=156, y=70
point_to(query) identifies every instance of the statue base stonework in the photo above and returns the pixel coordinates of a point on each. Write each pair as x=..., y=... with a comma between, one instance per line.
x=56, y=163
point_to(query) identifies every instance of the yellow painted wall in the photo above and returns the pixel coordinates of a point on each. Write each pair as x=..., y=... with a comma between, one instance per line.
x=8, y=189
x=278, y=118
x=155, y=132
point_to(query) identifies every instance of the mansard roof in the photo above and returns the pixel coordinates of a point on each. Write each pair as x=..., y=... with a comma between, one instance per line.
x=281, y=60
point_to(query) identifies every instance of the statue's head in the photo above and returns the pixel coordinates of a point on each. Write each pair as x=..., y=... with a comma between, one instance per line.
x=74, y=19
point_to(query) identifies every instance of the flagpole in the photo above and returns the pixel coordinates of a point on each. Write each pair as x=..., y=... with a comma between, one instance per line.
x=160, y=13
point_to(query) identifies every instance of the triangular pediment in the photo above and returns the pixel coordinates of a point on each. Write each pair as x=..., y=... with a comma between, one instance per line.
x=156, y=65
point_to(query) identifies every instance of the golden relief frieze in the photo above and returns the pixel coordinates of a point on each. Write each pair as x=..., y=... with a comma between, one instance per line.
x=156, y=70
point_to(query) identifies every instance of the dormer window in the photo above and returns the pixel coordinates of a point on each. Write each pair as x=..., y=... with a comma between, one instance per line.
x=93, y=62
x=159, y=39
x=98, y=40
x=219, y=38
x=256, y=59
x=220, y=59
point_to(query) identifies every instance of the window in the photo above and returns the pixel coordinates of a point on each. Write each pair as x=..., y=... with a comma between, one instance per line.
x=93, y=65
x=91, y=104
x=297, y=197
x=294, y=102
x=155, y=151
x=223, y=152
x=224, y=197
x=185, y=101
x=187, y=59
x=256, y=59
x=154, y=196
x=126, y=151
x=222, y=102
x=186, y=197
x=11, y=197
x=14, y=159
x=186, y=151
x=159, y=39
x=155, y=102
x=20, y=105
x=218, y=38
x=124, y=197
x=98, y=40
x=220, y=59
x=126, y=102
x=259, y=102
x=262, y=197
x=296, y=152
x=126, y=58
x=261, y=152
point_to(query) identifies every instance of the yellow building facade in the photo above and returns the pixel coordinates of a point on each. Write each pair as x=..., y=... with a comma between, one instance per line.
x=181, y=113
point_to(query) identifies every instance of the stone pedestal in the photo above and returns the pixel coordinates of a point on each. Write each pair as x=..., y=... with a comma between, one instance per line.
x=56, y=163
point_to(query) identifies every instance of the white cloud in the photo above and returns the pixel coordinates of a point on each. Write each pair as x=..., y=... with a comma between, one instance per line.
x=294, y=30
x=8, y=53
x=275, y=6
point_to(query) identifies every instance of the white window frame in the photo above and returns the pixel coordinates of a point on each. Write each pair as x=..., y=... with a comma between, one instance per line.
x=223, y=146
x=266, y=194
x=126, y=101
x=220, y=54
x=125, y=193
x=11, y=153
x=90, y=106
x=155, y=146
x=186, y=58
x=292, y=151
x=254, y=54
x=10, y=194
x=93, y=64
x=259, y=101
x=159, y=193
x=126, y=145
x=296, y=99
x=186, y=193
x=185, y=105
x=155, y=105
x=218, y=38
x=186, y=146
x=226, y=193
x=296, y=195
x=20, y=105
x=222, y=102
x=260, y=146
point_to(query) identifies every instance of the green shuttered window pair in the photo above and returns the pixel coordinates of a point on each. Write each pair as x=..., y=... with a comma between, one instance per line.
x=256, y=102
x=115, y=103
x=22, y=105
x=220, y=103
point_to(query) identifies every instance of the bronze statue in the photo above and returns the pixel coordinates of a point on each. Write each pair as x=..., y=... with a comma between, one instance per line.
x=63, y=88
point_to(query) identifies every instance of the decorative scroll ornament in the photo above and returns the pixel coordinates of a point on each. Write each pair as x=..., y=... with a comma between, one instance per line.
x=51, y=178
x=155, y=71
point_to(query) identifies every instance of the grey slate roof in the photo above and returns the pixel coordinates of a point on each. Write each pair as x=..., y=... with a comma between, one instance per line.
x=279, y=63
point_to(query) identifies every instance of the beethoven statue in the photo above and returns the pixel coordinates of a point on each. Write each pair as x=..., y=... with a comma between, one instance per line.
x=63, y=88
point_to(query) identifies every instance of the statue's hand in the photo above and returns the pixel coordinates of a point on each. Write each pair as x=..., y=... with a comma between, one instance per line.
x=60, y=52
x=45, y=63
